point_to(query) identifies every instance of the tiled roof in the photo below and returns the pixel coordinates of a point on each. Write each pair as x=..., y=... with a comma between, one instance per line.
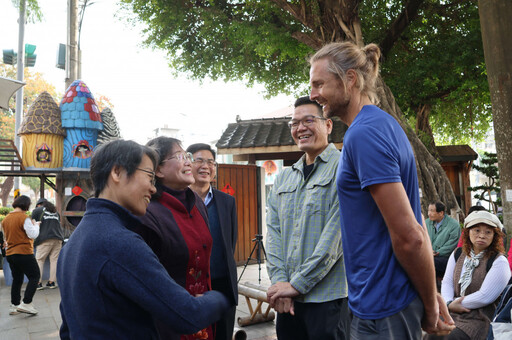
x=456, y=153
x=267, y=132
x=272, y=132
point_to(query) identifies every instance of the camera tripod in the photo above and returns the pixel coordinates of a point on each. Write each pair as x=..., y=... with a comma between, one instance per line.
x=258, y=247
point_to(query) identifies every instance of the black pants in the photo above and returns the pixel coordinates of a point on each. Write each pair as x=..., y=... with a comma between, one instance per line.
x=224, y=327
x=23, y=265
x=326, y=320
x=440, y=263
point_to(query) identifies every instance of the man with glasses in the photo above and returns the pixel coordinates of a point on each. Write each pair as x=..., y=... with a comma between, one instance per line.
x=304, y=253
x=223, y=222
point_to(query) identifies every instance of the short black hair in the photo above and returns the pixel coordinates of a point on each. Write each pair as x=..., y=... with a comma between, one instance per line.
x=163, y=145
x=476, y=208
x=439, y=206
x=306, y=101
x=123, y=153
x=22, y=202
x=200, y=147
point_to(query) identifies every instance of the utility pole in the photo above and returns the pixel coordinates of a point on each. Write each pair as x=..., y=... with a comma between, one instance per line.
x=72, y=43
x=19, y=94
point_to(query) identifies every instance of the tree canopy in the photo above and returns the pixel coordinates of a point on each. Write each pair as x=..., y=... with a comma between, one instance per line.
x=432, y=50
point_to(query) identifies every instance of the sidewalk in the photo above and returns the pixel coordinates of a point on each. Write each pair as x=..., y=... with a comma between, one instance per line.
x=45, y=325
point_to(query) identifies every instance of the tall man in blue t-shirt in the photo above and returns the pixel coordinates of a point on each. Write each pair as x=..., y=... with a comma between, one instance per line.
x=388, y=256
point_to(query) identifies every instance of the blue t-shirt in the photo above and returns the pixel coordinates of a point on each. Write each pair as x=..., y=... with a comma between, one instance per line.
x=375, y=150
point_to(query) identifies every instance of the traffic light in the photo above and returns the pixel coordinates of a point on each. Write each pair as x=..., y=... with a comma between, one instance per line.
x=30, y=56
x=10, y=57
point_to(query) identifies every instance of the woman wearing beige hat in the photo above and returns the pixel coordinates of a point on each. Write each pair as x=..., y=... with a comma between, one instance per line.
x=475, y=276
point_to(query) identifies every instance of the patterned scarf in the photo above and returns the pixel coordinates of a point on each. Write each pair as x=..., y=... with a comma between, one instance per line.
x=470, y=263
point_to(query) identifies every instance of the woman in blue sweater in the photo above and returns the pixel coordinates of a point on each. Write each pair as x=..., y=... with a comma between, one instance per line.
x=112, y=285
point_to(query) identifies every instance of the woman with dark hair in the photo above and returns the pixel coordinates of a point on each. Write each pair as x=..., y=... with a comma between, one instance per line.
x=49, y=242
x=176, y=226
x=475, y=276
x=20, y=232
x=112, y=285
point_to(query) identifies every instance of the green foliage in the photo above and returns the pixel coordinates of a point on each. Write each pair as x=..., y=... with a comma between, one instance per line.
x=437, y=61
x=488, y=166
x=5, y=210
x=33, y=11
x=249, y=41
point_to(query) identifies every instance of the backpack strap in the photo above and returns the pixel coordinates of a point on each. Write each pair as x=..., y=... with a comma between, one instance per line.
x=490, y=262
x=458, y=251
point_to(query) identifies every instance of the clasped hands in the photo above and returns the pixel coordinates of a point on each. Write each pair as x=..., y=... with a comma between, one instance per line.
x=279, y=297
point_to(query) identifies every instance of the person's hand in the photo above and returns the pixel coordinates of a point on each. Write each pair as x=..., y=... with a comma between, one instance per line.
x=456, y=306
x=436, y=253
x=437, y=319
x=284, y=305
x=280, y=290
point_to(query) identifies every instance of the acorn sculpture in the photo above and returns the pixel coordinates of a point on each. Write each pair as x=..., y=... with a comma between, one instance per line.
x=42, y=135
x=82, y=120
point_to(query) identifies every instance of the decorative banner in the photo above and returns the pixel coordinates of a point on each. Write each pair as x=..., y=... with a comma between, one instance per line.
x=228, y=189
x=77, y=190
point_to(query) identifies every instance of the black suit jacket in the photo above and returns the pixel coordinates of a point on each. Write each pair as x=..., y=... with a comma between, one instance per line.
x=228, y=219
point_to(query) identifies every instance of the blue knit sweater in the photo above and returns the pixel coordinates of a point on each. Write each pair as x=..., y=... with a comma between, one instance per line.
x=112, y=284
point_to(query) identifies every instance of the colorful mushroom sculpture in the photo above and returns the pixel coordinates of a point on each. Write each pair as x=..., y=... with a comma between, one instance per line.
x=82, y=120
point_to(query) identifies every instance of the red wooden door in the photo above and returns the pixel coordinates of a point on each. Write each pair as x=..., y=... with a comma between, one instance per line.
x=243, y=183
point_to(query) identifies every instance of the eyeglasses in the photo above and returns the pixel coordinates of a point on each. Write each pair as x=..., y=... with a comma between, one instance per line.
x=306, y=121
x=181, y=157
x=483, y=232
x=201, y=161
x=151, y=173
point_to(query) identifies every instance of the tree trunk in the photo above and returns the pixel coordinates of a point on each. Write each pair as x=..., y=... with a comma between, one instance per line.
x=424, y=130
x=496, y=27
x=5, y=189
x=432, y=179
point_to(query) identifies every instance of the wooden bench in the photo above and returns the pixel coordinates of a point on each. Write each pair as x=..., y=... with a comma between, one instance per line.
x=258, y=293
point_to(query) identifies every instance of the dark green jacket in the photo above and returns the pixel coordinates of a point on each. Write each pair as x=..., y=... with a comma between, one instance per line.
x=447, y=236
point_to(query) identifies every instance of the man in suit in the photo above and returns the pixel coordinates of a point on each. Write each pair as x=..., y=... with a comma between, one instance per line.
x=223, y=222
x=444, y=234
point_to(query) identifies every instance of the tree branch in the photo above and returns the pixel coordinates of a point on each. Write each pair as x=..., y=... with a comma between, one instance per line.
x=345, y=28
x=399, y=25
x=308, y=40
x=358, y=32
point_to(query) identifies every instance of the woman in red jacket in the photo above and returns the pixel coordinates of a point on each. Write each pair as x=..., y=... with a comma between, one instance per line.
x=176, y=227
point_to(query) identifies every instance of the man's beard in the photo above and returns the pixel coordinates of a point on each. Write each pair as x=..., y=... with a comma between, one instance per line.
x=339, y=108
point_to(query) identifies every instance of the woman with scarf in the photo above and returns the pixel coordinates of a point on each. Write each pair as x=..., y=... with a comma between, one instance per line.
x=475, y=276
x=176, y=227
